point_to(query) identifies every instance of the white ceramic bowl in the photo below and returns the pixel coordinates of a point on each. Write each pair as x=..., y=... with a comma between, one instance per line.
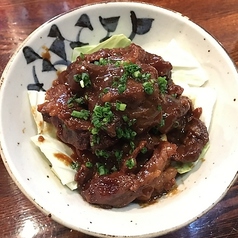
x=152, y=28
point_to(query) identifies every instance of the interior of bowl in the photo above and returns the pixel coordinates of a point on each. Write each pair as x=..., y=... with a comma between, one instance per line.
x=152, y=28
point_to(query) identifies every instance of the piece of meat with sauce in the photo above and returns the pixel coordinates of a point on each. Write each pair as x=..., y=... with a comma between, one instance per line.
x=190, y=138
x=126, y=142
x=140, y=107
x=119, y=189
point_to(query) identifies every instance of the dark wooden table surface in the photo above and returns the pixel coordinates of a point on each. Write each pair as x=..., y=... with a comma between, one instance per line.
x=18, y=18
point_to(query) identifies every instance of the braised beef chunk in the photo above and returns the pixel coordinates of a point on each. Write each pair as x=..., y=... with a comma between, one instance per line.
x=119, y=188
x=126, y=120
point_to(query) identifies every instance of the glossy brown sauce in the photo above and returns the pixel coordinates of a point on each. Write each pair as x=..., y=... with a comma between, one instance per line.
x=45, y=54
x=121, y=156
x=64, y=158
x=41, y=139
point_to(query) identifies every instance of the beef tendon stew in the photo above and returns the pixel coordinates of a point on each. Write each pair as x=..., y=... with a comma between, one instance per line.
x=127, y=123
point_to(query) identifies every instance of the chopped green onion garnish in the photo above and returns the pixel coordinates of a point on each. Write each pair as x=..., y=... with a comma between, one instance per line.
x=102, y=170
x=120, y=106
x=102, y=153
x=82, y=79
x=114, y=168
x=162, y=82
x=72, y=100
x=123, y=79
x=83, y=114
x=94, y=131
x=130, y=163
x=143, y=150
x=80, y=100
x=118, y=154
x=132, y=144
x=148, y=87
x=88, y=164
x=75, y=165
x=131, y=68
x=159, y=108
x=126, y=133
x=95, y=139
x=105, y=90
x=121, y=88
x=125, y=118
x=114, y=84
x=102, y=115
x=162, y=122
x=145, y=76
x=137, y=74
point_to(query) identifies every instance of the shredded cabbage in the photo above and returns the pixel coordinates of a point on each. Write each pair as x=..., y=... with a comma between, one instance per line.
x=116, y=41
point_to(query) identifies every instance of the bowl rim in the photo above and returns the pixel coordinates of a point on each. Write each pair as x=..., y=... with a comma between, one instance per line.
x=34, y=32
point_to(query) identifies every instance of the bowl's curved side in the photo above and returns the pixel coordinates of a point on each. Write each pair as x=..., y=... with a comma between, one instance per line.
x=49, y=49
